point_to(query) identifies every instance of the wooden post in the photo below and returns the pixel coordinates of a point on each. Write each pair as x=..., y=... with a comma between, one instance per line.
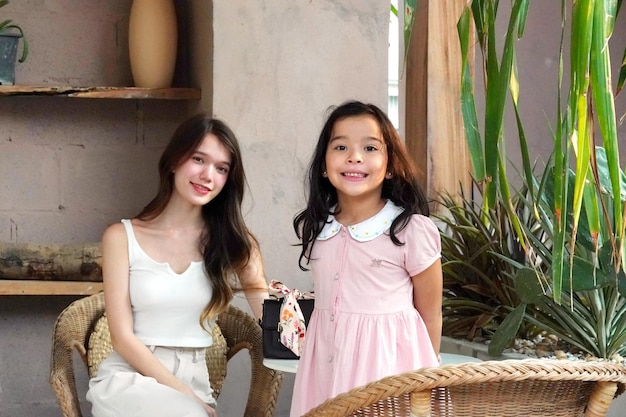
x=434, y=131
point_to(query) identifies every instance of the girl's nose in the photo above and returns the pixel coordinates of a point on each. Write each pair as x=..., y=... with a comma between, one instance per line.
x=355, y=157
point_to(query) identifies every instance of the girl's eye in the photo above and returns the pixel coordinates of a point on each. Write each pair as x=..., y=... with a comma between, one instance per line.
x=197, y=159
x=223, y=170
x=371, y=148
x=341, y=147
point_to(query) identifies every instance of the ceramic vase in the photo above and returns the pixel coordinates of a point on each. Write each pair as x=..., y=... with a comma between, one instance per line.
x=152, y=42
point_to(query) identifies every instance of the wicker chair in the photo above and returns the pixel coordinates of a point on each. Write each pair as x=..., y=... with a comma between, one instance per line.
x=83, y=326
x=529, y=388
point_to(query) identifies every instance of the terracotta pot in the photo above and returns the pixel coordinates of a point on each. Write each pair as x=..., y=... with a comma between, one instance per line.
x=152, y=41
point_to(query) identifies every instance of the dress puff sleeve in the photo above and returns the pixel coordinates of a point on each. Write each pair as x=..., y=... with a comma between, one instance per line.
x=422, y=243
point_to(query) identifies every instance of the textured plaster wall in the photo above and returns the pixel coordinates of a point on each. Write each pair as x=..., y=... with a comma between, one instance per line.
x=277, y=66
x=69, y=167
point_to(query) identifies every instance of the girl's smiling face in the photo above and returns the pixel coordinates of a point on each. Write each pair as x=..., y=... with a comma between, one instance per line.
x=356, y=157
x=202, y=176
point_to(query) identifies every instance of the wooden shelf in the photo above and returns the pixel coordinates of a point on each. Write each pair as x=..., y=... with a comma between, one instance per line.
x=30, y=287
x=102, y=92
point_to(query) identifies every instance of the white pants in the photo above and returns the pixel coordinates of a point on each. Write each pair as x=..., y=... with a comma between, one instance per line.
x=120, y=391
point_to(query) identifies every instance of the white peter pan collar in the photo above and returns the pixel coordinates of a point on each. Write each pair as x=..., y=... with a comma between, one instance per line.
x=366, y=230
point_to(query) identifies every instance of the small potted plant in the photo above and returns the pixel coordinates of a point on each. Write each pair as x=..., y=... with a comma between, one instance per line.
x=10, y=34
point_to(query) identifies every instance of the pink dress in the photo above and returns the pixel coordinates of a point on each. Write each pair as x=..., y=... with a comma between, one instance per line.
x=364, y=325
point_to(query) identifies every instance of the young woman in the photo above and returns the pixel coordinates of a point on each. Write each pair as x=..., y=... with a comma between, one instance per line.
x=169, y=272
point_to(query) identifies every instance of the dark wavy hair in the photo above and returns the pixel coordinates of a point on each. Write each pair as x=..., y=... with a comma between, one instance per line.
x=402, y=188
x=227, y=243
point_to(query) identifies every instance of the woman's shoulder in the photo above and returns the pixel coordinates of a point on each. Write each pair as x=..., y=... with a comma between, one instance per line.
x=114, y=232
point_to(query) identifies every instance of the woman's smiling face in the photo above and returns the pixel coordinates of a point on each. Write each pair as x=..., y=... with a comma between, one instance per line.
x=201, y=177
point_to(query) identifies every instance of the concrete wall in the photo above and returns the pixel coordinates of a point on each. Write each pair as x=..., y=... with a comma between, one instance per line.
x=277, y=68
x=69, y=167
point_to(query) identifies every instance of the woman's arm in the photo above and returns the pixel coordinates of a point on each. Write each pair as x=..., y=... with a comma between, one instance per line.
x=115, y=271
x=252, y=279
x=427, y=298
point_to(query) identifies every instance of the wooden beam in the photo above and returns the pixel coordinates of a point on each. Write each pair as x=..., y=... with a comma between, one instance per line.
x=53, y=262
x=102, y=92
x=434, y=130
x=416, y=99
x=28, y=287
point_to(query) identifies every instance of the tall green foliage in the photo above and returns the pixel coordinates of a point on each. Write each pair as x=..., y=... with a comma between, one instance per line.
x=582, y=218
x=590, y=97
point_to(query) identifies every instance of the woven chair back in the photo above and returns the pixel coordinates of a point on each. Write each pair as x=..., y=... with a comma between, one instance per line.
x=511, y=388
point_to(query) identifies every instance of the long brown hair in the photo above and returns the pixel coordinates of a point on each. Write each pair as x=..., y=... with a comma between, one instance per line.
x=402, y=188
x=227, y=243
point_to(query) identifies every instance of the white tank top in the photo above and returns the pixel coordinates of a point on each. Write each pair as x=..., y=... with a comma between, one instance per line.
x=166, y=305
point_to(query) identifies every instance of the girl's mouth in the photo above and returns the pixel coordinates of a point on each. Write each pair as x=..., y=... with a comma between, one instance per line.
x=354, y=174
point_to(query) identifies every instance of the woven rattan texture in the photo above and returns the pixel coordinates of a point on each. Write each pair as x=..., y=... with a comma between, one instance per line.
x=82, y=327
x=529, y=388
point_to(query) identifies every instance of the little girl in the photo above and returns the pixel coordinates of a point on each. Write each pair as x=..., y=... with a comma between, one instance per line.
x=374, y=256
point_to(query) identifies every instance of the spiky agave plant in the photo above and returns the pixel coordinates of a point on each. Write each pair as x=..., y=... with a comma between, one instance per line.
x=480, y=257
x=591, y=313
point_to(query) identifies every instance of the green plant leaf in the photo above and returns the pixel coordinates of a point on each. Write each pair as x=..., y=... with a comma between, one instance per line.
x=600, y=69
x=585, y=276
x=615, y=276
x=527, y=286
x=468, y=106
x=605, y=177
x=504, y=336
x=409, y=20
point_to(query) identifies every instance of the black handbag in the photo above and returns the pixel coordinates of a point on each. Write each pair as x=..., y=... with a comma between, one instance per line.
x=272, y=347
